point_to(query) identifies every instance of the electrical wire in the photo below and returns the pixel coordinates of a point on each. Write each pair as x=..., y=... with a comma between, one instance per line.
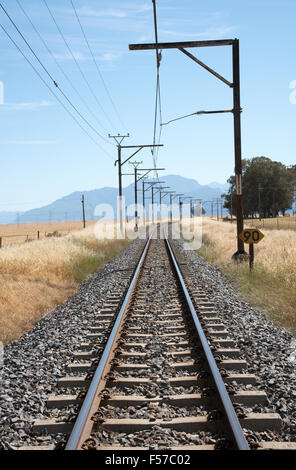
x=57, y=63
x=78, y=66
x=155, y=150
x=50, y=76
x=97, y=66
x=52, y=92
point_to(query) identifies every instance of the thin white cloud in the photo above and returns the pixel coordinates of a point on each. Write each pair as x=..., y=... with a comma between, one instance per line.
x=25, y=106
x=110, y=12
x=29, y=142
x=78, y=56
x=213, y=33
x=107, y=57
x=124, y=11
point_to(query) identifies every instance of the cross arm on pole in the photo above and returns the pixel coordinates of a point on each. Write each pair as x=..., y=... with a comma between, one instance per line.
x=160, y=189
x=177, y=45
x=148, y=171
x=139, y=148
x=152, y=183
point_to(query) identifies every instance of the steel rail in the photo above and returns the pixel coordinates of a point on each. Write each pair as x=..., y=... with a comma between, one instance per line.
x=230, y=413
x=83, y=415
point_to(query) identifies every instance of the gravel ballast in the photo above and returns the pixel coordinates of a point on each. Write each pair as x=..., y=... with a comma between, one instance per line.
x=269, y=349
x=34, y=363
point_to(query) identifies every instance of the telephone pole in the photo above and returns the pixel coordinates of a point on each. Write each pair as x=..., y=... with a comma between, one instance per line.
x=236, y=111
x=83, y=210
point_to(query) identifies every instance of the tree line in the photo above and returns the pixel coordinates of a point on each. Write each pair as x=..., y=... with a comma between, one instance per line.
x=268, y=188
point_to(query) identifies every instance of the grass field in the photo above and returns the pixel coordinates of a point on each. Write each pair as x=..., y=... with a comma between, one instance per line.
x=271, y=286
x=36, y=277
x=15, y=234
x=279, y=223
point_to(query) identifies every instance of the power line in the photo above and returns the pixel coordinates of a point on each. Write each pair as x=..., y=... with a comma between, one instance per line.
x=97, y=66
x=52, y=92
x=157, y=93
x=57, y=63
x=78, y=66
x=50, y=76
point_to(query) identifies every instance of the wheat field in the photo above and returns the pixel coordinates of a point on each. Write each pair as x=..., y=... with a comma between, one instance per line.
x=15, y=234
x=271, y=286
x=36, y=277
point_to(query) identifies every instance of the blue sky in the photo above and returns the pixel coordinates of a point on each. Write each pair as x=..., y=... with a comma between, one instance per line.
x=45, y=155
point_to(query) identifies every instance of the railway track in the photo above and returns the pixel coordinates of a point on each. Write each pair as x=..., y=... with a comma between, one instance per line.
x=168, y=376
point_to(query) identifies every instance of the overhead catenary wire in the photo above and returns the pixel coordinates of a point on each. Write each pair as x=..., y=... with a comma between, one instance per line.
x=97, y=67
x=79, y=68
x=157, y=111
x=52, y=92
x=49, y=74
x=57, y=63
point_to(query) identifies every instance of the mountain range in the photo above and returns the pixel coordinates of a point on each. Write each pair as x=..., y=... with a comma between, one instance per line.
x=69, y=207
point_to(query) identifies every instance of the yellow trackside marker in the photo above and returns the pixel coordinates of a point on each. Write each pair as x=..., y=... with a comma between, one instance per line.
x=251, y=235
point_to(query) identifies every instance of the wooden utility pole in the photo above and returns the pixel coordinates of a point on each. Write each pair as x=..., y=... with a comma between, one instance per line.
x=236, y=111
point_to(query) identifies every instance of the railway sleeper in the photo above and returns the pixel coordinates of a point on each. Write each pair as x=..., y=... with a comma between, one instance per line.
x=70, y=382
x=253, y=421
x=247, y=398
x=261, y=447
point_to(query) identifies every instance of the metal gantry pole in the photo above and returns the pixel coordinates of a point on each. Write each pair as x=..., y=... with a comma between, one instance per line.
x=171, y=193
x=136, y=200
x=120, y=189
x=152, y=202
x=135, y=165
x=119, y=138
x=144, y=209
x=237, y=147
x=235, y=85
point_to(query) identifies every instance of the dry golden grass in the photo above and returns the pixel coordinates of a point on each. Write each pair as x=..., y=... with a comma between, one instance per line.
x=36, y=277
x=271, y=286
x=19, y=233
x=280, y=223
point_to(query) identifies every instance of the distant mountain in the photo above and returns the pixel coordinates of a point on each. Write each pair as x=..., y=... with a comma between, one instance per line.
x=69, y=207
x=220, y=186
